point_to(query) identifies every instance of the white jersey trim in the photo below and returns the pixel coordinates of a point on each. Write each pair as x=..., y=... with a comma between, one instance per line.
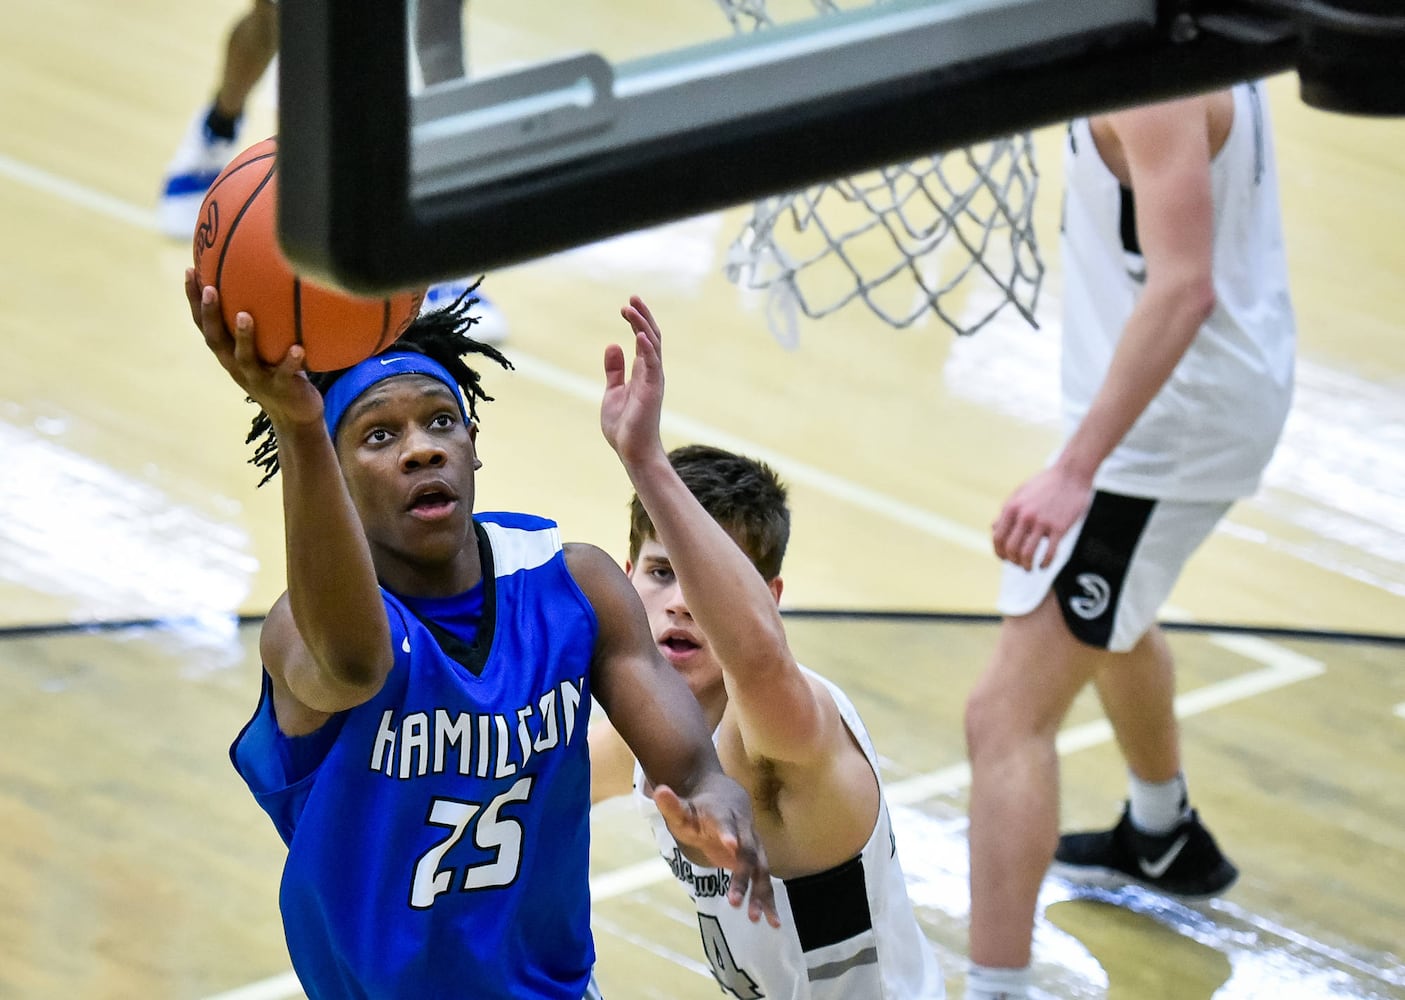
x=518, y=549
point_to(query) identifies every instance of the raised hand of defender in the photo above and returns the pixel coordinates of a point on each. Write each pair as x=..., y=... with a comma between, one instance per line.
x=1045, y=507
x=715, y=824
x=630, y=409
x=283, y=390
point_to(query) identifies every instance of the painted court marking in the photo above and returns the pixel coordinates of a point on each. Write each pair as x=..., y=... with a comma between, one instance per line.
x=588, y=390
x=276, y=988
x=77, y=194
x=1280, y=666
x=569, y=383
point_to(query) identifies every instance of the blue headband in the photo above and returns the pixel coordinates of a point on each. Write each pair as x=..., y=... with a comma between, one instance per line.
x=377, y=368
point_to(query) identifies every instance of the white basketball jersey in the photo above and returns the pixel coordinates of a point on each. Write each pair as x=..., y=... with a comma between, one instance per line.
x=1212, y=428
x=849, y=933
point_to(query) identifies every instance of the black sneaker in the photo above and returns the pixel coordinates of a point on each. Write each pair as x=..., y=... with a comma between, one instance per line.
x=1185, y=862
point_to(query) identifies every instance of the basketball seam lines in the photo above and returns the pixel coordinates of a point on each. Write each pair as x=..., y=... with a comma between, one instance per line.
x=234, y=225
x=385, y=325
x=297, y=310
x=388, y=334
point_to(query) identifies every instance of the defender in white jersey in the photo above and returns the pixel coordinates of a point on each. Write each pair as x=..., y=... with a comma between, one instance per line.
x=707, y=536
x=849, y=932
x=1178, y=348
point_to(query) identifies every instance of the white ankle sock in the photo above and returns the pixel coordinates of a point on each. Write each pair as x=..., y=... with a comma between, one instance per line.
x=1157, y=807
x=984, y=983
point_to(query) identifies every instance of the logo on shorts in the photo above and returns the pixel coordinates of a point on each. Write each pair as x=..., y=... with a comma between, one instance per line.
x=1094, y=599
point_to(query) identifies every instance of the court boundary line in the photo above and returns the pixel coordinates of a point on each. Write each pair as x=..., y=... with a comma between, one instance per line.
x=934, y=617
x=1286, y=632
x=78, y=195
x=1281, y=667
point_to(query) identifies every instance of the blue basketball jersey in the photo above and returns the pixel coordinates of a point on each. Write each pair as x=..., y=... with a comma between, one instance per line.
x=438, y=835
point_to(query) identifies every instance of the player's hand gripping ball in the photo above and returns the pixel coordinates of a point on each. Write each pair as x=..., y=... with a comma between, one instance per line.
x=236, y=250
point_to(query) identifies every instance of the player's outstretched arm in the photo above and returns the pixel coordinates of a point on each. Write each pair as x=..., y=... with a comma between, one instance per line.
x=659, y=719
x=328, y=639
x=781, y=714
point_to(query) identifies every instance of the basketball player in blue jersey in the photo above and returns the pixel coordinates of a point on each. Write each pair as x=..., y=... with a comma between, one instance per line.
x=708, y=533
x=1178, y=348
x=420, y=743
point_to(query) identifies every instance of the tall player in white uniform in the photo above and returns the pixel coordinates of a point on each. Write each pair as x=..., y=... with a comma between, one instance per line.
x=708, y=532
x=1177, y=376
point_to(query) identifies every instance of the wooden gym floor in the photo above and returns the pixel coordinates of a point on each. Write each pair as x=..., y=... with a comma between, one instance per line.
x=135, y=862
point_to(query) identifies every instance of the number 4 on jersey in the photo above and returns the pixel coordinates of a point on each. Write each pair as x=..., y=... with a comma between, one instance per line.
x=724, y=966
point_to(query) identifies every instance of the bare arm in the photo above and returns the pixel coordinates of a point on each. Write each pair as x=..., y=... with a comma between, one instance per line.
x=649, y=705
x=1167, y=148
x=658, y=717
x=611, y=763
x=780, y=713
x=1167, y=151
x=327, y=641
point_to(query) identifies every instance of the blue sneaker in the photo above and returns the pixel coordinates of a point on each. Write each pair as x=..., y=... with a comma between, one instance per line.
x=491, y=326
x=198, y=161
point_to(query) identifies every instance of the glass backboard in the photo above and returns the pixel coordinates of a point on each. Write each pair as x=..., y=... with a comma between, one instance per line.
x=381, y=187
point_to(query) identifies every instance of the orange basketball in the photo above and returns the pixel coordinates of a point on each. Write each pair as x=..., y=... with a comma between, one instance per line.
x=236, y=250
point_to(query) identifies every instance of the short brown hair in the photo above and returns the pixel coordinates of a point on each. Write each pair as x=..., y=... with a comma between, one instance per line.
x=742, y=494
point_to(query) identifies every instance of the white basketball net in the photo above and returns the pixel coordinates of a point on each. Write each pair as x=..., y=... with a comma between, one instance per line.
x=952, y=233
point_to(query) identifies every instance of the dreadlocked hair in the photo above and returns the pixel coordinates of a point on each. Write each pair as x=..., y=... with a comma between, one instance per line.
x=443, y=335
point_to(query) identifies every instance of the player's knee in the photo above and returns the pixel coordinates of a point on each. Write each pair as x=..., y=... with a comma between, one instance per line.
x=1011, y=711
x=990, y=722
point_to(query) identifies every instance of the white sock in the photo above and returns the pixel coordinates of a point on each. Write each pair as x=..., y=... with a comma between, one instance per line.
x=1157, y=807
x=984, y=983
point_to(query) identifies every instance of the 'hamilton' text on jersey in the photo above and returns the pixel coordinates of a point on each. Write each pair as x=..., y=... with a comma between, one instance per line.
x=494, y=745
